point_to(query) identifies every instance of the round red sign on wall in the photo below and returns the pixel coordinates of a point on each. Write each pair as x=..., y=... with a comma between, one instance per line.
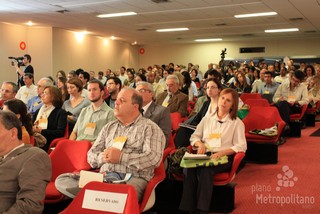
x=141, y=50
x=23, y=45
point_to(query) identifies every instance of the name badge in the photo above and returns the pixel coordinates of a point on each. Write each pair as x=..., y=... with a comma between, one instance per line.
x=119, y=142
x=35, y=104
x=214, y=140
x=266, y=92
x=90, y=127
x=165, y=104
x=291, y=98
x=43, y=123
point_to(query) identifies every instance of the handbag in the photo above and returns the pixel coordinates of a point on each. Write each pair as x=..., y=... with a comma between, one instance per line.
x=39, y=140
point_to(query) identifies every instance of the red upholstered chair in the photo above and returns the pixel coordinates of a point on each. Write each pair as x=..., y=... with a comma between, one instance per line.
x=149, y=196
x=176, y=119
x=296, y=122
x=53, y=144
x=68, y=156
x=131, y=206
x=311, y=114
x=222, y=178
x=245, y=96
x=169, y=148
x=257, y=102
x=262, y=118
x=191, y=105
x=32, y=140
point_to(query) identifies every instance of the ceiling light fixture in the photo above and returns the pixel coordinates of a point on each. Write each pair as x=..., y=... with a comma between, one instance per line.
x=249, y=15
x=110, y=15
x=30, y=23
x=281, y=30
x=208, y=40
x=172, y=29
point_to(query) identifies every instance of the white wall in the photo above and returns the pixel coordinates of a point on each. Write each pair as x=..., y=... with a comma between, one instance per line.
x=53, y=49
x=38, y=45
x=90, y=54
x=205, y=53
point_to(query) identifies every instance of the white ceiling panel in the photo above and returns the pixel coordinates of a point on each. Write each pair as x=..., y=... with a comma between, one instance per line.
x=205, y=18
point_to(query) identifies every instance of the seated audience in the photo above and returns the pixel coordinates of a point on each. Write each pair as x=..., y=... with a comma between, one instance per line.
x=76, y=103
x=268, y=87
x=62, y=85
x=172, y=98
x=20, y=109
x=314, y=91
x=35, y=102
x=257, y=84
x=291, y=95
x=283, y=76
x=157, y=88
x=139, y=77
x=189, y=87
x=130, y=79
x=25, y=170
x=141, y=152
x=102, y=78
x=8, y=91
x=113, y=86
x=309, y=73
x=157, y=113
x=93, y=117
x=240, y=84
x=230, y=132
x=28, y=90
x=50, y=120
x=213, y=88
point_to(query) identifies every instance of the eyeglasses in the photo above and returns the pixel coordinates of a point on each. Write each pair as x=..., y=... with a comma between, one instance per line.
x=295, y=80
x=6, y=91
x=212, y=87
x=142, y=90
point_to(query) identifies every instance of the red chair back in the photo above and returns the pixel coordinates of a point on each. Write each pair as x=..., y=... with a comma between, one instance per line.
x=69, y=156
x=246, y=96
x=148, y=199
x=257, y=102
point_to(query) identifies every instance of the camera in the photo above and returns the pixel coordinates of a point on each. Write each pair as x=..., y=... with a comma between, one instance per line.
x=19, y=60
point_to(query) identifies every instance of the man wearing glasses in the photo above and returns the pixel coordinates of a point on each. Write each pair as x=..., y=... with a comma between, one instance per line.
x=157, y=113
x=8, y=92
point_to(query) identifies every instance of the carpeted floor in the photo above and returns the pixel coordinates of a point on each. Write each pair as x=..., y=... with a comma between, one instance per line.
x=316, y=133
x=291, y=186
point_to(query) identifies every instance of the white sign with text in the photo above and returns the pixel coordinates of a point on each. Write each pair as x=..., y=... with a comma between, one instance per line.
x=104, y=201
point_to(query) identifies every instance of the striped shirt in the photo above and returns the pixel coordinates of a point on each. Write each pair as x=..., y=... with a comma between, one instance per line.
x=141, y=153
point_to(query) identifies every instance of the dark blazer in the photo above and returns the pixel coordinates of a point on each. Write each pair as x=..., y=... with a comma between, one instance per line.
x=183, y=135
x=161, y=116
x=198, y=117
x=24, y=175
x=178, y=102
x=57, y=122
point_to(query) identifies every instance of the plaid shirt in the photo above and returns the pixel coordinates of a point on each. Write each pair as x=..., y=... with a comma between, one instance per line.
x=141, y=153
